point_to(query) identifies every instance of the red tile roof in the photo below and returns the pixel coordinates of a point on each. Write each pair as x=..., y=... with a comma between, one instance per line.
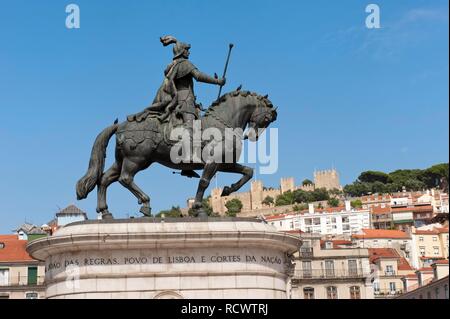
x=377, y=253
x=426, y=269
x=14, y=250
x=441, y=262
x=380, y=210
x=381, y=233
x=404, y=264
x=336, y=243
x=434, y=231
x=281, y=216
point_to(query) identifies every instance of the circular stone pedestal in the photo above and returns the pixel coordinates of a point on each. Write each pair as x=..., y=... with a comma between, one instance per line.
x=179, y=258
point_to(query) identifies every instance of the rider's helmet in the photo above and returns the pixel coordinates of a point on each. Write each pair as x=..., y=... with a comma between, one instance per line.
x=178, y=48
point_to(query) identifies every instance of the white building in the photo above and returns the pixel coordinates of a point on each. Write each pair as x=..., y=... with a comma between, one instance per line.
x=384, y=238
x=329, y=221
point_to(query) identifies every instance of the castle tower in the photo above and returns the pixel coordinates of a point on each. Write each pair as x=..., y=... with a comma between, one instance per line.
x=216, y=201
x=256, y=194
x=328, y=179
x=287, y=184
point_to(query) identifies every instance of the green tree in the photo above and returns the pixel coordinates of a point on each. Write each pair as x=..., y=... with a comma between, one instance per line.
x=333, y=202
x=320, y=194
x=307, y=182
x=335, y=192
x=356, y=203
x=206, y=206
x=299, y=208
x=174, y=212
x=374, y=176
x=268, y=201
x=436, y=175
x=286, y=198
x=234, y=207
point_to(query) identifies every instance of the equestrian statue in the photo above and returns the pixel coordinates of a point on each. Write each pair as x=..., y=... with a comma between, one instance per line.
x=165, y=133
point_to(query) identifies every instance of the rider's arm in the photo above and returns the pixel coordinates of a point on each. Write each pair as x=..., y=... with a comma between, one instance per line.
x=202, y=77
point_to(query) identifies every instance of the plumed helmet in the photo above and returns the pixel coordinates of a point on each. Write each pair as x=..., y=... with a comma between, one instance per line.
x=179, y=46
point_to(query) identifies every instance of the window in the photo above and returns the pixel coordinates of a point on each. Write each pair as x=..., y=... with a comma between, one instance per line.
x=355, y=292
x=421, y=238
x=308, y=292
x=352, y=268
x=329, y=245
x=392, y=287
x=31, y=295
x=308, y=221
x=329, y=268
x=422, y=251
x=307, y=271
x=389, y=270
x=32, y=275
x=389, y=242
x=292, y=225
x=434, y=238
x=4, y=277
x=436, y=251
x=376, y=287
x=345, y=219
x=316, y=221
x=436, y=292
x=2, y=245
x=332, y=292
x=429, y=294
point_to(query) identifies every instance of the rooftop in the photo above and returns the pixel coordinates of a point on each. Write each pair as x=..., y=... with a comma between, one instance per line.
x=14, y=249
x=381, y=233
x=70, y=210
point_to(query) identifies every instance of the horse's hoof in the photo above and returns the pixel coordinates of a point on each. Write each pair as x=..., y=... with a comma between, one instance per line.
x=107, y=215
x=146, y=211
x=200, y=213
x=226, y=191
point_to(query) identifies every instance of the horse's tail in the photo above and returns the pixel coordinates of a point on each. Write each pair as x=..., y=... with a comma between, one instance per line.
x=97, y=162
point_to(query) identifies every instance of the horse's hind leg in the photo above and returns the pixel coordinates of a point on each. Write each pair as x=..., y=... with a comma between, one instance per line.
x=209, y=171
x=109, y=177
x=129, y=169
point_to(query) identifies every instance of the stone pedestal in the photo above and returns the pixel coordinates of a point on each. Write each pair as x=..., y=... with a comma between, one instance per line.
x=178, y=258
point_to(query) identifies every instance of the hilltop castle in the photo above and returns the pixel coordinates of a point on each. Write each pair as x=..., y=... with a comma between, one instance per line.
x=253, y=199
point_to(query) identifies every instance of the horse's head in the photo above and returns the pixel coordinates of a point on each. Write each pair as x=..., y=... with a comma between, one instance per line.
x=262, y=116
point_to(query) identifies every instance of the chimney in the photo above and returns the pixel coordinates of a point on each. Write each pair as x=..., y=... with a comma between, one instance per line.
x=348, y=206
x=311, y=208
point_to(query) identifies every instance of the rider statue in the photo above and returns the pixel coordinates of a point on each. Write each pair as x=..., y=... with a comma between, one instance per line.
x=176, y=93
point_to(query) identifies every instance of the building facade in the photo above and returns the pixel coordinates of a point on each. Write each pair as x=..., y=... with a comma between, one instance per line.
x=430, y=243
x=21, y=277
x=327, y=271
x=328, y=221
x=388, y=269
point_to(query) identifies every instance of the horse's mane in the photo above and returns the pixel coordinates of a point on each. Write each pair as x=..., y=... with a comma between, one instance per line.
x=236, y=93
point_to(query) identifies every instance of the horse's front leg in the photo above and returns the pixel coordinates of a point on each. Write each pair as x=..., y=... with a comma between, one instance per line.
x=246, y=171
x=209, y=171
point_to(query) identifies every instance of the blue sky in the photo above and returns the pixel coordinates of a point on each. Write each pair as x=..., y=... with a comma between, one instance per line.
x=348, y=97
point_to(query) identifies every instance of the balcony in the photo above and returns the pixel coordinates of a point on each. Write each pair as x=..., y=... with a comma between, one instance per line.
x=329, y=274
x=22, y=281
x=386, y=293
x=306, y=252
x=390, y=273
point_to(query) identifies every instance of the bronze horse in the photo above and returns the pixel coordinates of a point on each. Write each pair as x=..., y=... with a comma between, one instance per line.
x=140, y=144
